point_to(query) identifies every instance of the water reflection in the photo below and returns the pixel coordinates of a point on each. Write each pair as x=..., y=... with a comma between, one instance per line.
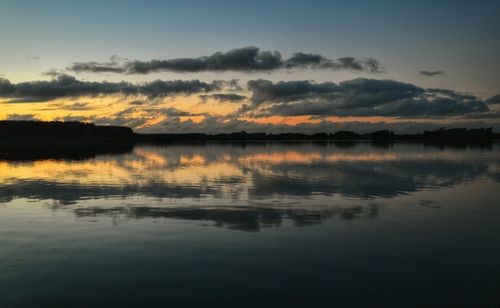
x=243, y=186
x=15, y=150
x=235, y=218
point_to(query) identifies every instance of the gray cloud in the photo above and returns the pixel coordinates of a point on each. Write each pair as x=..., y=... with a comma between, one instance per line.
x=68, y=86
x=265, y=90
x=53, y=73
x=357, y=97
x=96, y=67
x=70, y=118
x=21, y=117
x=78, y=106
x=494, y=100
x=224, y=97
x=113, y=66
x=245, y=59
x=431, y=73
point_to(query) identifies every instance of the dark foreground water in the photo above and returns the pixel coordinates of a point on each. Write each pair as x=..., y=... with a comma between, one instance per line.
x=269, y=224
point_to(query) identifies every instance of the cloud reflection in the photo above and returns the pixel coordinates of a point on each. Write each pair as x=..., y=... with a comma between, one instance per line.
x=242, y=186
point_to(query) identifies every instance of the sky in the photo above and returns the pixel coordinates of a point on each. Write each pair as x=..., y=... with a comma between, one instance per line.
x=273, y=66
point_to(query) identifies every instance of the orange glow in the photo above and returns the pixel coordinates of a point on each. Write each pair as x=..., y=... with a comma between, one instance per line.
x=109, y=107
x=193, y=160
x=152, y=122
x=195, y=119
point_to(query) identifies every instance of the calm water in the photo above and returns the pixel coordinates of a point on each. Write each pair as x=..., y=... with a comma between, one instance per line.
x=268, y=224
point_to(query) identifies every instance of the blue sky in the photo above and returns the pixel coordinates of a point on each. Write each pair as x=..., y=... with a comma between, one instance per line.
x=460, y=37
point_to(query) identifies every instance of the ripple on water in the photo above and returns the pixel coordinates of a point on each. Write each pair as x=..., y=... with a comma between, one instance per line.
x=42, y=257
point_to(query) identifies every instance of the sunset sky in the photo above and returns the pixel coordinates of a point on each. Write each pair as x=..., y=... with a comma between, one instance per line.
x=273, y=66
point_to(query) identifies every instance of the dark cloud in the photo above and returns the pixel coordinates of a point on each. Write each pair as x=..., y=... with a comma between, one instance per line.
x=431, y=73
x=245, y=59
x=265, y=90
x=68, y=86
x=316, y=61
x=300, y=59
x=357, y=97
x=362, y=92
x=224, y=97
x=451, y=94
x=113, y=66
x=96, y=67
x=493, y=100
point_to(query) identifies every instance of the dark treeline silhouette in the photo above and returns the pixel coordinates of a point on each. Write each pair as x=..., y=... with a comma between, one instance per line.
x=34, y=140
x=454, y=134
x=55, y=129
x=80, y=130
x=68, y=149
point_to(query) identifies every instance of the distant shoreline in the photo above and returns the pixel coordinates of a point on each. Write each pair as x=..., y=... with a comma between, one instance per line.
x=37, y=132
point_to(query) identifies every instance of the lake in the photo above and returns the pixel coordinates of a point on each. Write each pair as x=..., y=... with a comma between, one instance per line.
x=284, y=224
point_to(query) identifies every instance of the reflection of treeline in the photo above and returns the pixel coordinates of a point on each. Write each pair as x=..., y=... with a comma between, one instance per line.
x=70, y=130
x=71, y=149
x=455, y=134
x=55, y=129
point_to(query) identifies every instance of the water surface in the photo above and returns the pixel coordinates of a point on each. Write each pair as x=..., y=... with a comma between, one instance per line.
x=247, y=224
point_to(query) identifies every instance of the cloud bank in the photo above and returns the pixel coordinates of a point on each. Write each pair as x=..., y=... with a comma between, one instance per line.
x=247, y=59
x=354, y=104
x=358, y=97
x=68, y=86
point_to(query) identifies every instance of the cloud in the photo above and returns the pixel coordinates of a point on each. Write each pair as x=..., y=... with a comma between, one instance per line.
x=493, y=100
x=134, y=117
x=69, y=86
x=112, y=66
x=287, y=91
x=53, y=73
x=224, y=97
x=137, y=103
x=171, y=121
x=70, y=118
x=21, y=117
x=247, y=59
x=362, y=97
x=96, y=67
x=78, y=106
x=431, y=73
x=357, y=97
